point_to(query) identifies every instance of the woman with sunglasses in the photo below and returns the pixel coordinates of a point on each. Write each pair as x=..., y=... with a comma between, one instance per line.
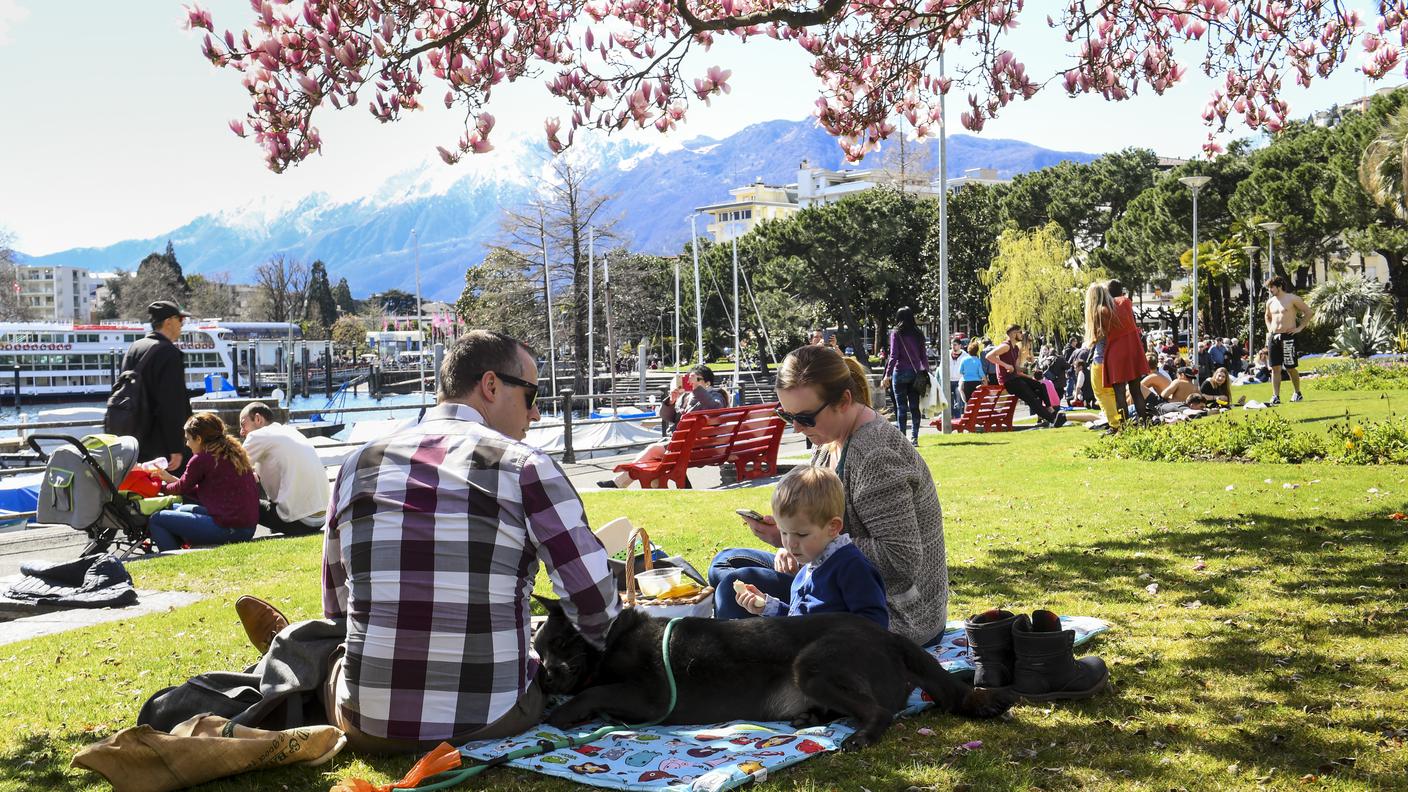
x=892, y=510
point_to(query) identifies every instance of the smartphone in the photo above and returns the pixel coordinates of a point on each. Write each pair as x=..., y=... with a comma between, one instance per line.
x=749, y=513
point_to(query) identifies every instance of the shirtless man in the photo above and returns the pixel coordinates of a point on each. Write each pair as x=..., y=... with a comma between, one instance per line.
x=1286, y=315
x=1182, y=387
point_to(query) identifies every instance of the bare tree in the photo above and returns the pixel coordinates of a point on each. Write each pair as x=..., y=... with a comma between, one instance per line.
x=557, y=225
x=12, y=307
x=213, y=296
x=283, y=287
x=906, y=164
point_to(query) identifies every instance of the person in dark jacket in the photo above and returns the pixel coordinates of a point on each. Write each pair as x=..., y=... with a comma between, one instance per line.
x=908, y=361
x=163, y=385
x=696, y=392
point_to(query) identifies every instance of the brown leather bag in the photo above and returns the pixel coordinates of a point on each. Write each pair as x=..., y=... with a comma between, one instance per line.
x=204, y=748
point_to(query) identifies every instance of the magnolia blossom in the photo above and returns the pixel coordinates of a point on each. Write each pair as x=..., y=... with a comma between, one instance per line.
x=619, y=63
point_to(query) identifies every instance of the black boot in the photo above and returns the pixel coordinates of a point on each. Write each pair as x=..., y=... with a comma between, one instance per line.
x=990, y=646
x=1046, y=667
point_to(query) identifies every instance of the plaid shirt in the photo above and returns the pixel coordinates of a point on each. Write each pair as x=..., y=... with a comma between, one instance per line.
x=432, y=546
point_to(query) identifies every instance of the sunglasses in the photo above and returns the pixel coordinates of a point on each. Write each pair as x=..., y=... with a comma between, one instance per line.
x=807, y=419
x=530, y=389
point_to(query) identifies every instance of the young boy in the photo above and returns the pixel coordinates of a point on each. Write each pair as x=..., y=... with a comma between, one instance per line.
x=835, y=577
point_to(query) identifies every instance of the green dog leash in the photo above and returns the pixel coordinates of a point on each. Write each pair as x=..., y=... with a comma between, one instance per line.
x=456, y=777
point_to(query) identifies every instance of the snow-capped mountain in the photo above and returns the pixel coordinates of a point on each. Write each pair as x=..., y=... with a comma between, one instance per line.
x=457, y=211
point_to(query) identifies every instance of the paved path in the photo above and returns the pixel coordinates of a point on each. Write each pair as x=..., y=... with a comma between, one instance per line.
x=61, y=621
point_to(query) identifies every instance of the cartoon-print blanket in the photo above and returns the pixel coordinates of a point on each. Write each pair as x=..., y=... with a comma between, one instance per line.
x=716, y=757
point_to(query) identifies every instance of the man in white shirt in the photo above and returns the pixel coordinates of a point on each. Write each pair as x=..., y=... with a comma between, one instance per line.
x=294, y=481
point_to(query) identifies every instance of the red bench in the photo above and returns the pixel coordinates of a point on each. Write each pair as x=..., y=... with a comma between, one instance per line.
x=746, y=437
x=989, y=409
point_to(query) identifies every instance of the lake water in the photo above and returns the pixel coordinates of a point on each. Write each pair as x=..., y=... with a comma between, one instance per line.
x=395, y=406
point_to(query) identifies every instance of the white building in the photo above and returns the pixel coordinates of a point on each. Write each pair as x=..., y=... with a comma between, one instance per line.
x=757, y=202
x=56, y=293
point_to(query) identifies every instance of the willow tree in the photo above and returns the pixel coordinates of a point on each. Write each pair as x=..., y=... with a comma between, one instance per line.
x=1036, y=282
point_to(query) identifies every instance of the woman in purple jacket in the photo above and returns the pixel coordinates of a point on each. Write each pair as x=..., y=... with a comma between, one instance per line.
x=907, y=362
x=218, y=487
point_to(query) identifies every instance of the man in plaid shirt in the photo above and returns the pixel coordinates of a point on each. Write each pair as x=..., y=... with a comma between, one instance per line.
x=433, y=541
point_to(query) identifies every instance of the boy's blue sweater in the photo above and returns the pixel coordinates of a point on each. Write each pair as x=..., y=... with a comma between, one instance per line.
x=840, y=580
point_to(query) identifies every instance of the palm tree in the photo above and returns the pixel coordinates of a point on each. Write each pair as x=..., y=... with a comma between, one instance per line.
x=1383, y=170
x=1348, y=297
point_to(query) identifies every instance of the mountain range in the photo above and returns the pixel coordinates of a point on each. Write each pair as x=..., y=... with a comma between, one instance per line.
x=653, y=191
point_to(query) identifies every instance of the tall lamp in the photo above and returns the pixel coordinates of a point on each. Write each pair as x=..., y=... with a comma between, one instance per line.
x=1271, y=227
x=1251, y=251
x=1194, y=184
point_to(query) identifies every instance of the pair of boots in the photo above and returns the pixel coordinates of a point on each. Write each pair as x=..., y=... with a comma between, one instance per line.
x=1032, y=656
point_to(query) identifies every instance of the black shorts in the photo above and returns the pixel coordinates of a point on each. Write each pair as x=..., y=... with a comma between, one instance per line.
x=1281, y=350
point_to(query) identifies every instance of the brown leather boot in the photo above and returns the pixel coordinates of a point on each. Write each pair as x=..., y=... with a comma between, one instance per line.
x=261, y=621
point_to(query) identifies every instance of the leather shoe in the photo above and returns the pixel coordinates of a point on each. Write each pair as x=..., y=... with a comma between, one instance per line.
x=261, y=621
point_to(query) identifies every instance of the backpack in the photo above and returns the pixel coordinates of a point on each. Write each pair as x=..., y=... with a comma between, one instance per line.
x=127, y=406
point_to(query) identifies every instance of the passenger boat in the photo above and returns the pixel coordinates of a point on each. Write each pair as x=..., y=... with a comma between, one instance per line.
x=64, y=359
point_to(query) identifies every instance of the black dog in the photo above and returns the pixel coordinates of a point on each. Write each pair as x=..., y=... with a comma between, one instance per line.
x=805, y=669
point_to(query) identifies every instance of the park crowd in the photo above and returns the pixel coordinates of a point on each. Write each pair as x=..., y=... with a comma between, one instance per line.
x=433, y=536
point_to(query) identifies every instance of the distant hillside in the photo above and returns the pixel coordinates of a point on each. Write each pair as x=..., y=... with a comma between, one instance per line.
x=368, y=241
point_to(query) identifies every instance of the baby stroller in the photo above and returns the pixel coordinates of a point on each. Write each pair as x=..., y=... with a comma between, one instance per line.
x=80, y=489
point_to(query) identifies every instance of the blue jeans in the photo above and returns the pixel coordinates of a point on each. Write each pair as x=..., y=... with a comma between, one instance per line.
x=191, y=524
x=750, y=566
x=906, y=400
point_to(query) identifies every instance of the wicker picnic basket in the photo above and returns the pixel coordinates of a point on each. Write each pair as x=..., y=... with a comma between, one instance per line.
x=701, y=603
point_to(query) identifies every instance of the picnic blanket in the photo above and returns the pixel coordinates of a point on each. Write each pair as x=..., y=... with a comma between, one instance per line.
x=720, y=756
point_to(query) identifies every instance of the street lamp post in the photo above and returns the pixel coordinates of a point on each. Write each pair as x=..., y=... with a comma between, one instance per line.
x=698, y=301
x=1270, y=227
x=420, y=343
x=945, y=386
x=1251, y=250
x=1194, y=184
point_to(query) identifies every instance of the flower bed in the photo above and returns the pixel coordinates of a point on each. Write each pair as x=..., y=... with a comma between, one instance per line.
x=1259, y=437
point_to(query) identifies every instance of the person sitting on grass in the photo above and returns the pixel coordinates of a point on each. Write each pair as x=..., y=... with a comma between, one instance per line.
x=293, y=478
x=1180, y=388
x=221, y=496
x=1155, y=381
x=1195, y=406
x=699, y=395
x=1218, y=388
x=835, y=576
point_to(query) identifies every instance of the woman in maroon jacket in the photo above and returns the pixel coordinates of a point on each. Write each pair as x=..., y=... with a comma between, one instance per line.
x=218, y=486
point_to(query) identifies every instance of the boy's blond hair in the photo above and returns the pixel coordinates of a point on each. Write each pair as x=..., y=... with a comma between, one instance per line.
x=812, y=493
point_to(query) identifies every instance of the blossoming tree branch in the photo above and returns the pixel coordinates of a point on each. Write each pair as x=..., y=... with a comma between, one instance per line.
x=619, y=63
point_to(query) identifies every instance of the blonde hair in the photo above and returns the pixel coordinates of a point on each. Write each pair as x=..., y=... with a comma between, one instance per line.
x=210, y=431
x=827, y=371
x=812, y=493
x=1097, y=296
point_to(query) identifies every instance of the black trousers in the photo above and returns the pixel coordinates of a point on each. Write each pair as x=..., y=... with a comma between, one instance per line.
x=269, y=518
x=1033, y=394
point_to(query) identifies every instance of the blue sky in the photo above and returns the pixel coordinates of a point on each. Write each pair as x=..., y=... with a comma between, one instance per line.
x=116, y=128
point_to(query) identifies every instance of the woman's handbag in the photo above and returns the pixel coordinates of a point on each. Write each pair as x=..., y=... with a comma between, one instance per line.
x=920, y=386
x=700, y=603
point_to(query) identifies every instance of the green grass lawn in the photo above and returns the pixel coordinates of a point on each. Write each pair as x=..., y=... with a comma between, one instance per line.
x=1272, y=650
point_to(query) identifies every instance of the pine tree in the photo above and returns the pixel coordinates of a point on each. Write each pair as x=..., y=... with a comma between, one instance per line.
x=321, y=303
x=170, y=256
x=342, y=296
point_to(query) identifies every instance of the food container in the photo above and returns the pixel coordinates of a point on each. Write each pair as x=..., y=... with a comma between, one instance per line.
x=655, y=582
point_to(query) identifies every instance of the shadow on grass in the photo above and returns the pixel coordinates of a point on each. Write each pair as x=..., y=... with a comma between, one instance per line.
x=41, y=761
x=1287, y=619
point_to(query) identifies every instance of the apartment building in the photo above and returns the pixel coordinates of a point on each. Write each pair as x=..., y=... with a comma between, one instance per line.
x=56, y=293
